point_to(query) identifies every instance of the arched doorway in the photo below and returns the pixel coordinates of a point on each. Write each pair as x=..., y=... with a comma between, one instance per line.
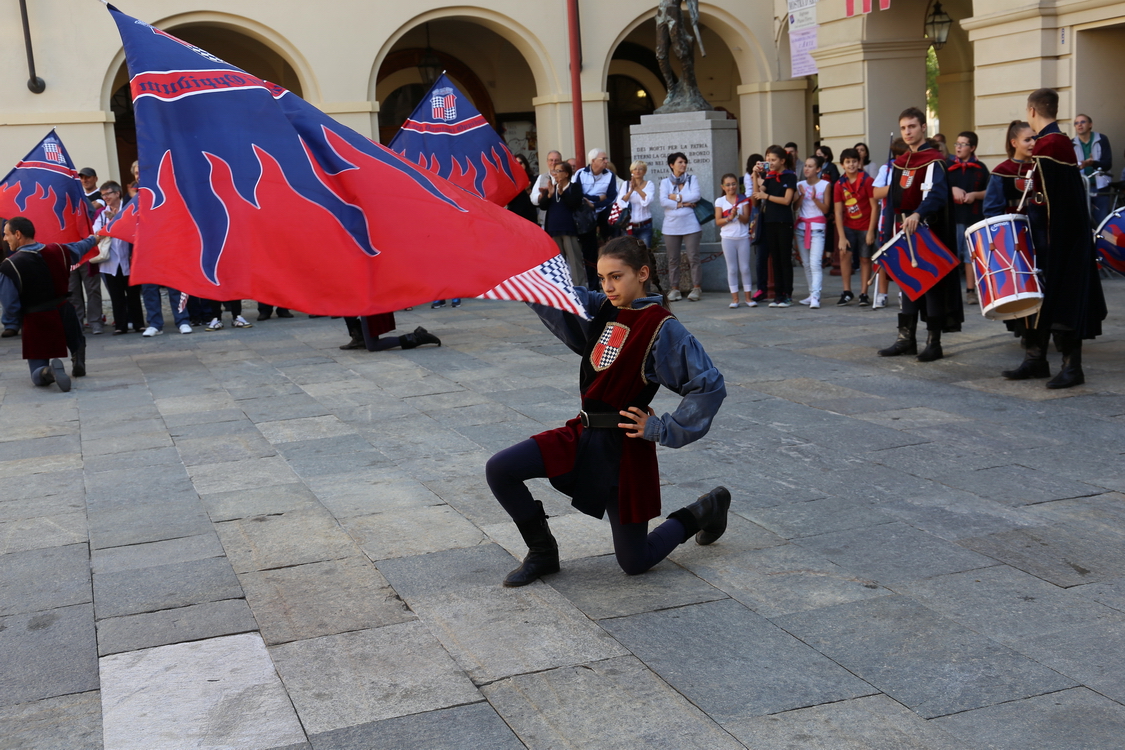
x=629, y=99
x=225, y=42
x=488, y=69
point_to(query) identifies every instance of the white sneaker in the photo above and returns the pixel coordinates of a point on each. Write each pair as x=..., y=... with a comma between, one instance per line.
x=214, y=325
x=814, y=302
x=185, y=328
x=880, y=301
x=805, y=301
x=751, y=303
x=152, y=331
x=695, y=294
x=674, y=295
x=240, y=322
x=733, y=305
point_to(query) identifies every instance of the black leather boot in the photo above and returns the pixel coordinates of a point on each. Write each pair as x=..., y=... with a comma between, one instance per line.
x=906, y=342
x=706, y=518
x=416, y=339
x=1034, y=363
x=78, y=362
x=1070, y=344
x=355, y=330
x=542, y=551
x=933, y=347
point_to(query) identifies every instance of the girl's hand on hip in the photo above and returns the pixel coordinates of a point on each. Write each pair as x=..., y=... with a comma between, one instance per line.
x=636, y=428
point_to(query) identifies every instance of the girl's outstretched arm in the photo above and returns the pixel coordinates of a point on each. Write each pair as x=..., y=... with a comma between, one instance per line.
x=679, y=363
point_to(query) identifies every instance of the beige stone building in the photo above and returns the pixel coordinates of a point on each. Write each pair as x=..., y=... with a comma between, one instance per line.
x=360, y=62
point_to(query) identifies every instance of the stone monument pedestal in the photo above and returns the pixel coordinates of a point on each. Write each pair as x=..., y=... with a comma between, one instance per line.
x=710, y=142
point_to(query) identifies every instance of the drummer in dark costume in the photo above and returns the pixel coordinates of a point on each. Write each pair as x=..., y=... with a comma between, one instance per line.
x=920, y=193
x=1073, y=303
x=605, y=459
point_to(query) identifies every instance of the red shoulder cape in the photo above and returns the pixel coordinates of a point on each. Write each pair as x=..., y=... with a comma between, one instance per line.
x=1055, y=146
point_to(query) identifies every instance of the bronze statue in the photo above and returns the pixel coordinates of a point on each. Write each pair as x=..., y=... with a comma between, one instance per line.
x=671, y=34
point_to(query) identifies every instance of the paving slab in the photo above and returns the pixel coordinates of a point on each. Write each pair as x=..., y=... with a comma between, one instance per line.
x=1008, y=605
x=217, y=693
x=135, y=556
x=73, y=722
x=598, y=587
x=762, y=669
x=1110, y=593
x=307, y=601
x=412, y=531
x=1018, y=485
x=1090, y=654
x=281, y=539
x=927, y=662
x=46, y=654
x=492, y=631
x=152, y=520
x=474, y=725
x=44, y=579
x=344, y=680
x=259, y=501
x=956, y=514
x=872, y=723
x=893, y=553
x=1065, y=555
x=814, y=517
x=44, y=531
x=241, y=475
x=616, y=703
x=179, y=584
x=191, y=623
x=1077, y=719
x=358, y=492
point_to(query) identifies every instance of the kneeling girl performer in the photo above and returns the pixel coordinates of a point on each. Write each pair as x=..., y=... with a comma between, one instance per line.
x=605, y=459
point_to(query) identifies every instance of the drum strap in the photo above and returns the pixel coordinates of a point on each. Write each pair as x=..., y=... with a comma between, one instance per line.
x=928, y=185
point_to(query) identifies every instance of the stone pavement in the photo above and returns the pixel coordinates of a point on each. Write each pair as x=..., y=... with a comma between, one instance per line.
x=252, y=539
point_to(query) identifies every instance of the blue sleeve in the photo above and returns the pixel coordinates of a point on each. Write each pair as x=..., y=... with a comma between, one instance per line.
x=936, y=199
x=78, y=249
x=568, y=327
x=10, y=301
x=995, y=203
x=679, y=363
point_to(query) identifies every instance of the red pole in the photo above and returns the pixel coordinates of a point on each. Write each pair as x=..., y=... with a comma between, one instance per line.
x=576, y=81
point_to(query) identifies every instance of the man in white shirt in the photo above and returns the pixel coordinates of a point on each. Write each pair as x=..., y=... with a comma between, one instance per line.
x=539, y=189
x=599, y=185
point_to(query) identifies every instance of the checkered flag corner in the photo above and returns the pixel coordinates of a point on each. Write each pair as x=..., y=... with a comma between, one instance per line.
x=546, y=284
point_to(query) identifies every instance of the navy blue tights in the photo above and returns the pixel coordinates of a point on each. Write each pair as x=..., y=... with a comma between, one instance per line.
x=637, y=550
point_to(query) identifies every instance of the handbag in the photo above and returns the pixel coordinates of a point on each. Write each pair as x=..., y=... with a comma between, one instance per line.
x=103, y=251
x=618, y=215
x=704, y=211
x=585, y=220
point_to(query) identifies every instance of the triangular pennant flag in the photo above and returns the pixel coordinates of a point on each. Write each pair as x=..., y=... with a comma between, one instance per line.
x=448, y=136
x=249, y=192
x=44, y=187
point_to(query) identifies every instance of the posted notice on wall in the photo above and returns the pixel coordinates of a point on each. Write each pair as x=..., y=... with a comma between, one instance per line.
x=802, y=14
x=802, y=44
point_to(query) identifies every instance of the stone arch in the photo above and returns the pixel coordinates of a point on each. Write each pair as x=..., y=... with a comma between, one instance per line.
x=522, y=38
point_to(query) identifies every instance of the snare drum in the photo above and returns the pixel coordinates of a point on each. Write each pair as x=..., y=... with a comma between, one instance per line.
x=1004, y=264
x=1110, y=240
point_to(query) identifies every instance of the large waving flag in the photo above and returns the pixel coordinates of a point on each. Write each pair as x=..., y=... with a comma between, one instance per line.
x=448, y=136
x=247, y=191
x=45, y=188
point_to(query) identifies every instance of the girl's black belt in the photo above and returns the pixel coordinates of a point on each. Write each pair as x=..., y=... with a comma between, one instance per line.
x=605, y=420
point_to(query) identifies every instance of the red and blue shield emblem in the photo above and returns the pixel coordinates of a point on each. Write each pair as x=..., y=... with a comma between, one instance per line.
x=609, y=346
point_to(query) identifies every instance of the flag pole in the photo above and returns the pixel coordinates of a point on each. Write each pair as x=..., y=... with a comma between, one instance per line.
x=576, y=81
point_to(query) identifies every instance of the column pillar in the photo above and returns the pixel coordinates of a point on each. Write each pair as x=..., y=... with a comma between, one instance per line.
x=772, y=112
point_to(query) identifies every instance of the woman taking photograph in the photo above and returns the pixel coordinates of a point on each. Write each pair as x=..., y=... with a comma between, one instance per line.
x=605, y=459
x=637, y=195
x=774, y=190
x=678, y=195
x=563, y=199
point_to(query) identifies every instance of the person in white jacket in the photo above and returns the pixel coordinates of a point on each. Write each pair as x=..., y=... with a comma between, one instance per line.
x=678, y=195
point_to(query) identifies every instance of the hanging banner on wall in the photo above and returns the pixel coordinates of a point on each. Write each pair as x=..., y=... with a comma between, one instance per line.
x=802, y=44
x=802, y=14
x=851, y=7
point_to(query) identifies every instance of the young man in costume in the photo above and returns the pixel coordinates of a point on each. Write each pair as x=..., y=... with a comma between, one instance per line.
x=1073, y=304
x=33, y=285
x=920, y=194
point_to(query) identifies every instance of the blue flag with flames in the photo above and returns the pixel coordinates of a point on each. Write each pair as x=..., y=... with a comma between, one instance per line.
x=249, y=192
x=44, y=187
x=448, y=136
